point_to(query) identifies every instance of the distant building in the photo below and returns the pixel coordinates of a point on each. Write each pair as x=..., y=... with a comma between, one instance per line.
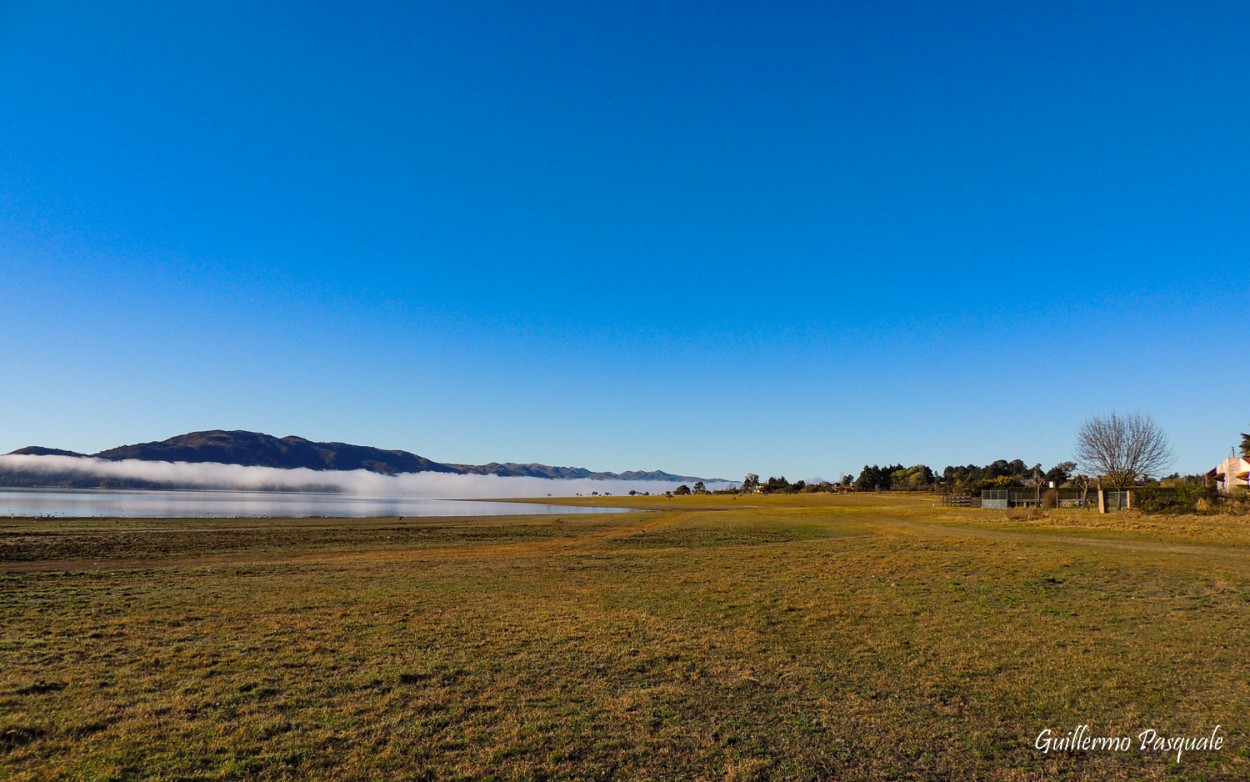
x=1232, y=473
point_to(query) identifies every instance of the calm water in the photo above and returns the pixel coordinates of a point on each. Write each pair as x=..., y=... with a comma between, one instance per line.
x=101, y=503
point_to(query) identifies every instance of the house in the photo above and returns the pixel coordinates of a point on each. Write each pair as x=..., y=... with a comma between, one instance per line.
x=1232, y=473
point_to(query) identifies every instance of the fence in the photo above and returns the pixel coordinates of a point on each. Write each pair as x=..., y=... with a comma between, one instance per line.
x=961, y=500
x=1144, y=498
x=1062, y=498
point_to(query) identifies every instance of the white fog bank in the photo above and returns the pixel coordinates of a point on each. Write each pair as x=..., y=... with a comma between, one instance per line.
x=358, y=482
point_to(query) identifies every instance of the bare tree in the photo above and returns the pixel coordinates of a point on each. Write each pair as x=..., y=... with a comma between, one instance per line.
x=1083, y=483
x=1123, y=448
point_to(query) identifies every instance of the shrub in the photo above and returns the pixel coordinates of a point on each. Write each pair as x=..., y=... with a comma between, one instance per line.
x=1176, y=499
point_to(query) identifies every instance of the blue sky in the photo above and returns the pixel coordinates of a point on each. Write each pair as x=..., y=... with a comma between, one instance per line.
x=709, y=238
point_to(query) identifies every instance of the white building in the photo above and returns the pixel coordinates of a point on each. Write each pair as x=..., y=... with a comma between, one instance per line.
x=1232, y=473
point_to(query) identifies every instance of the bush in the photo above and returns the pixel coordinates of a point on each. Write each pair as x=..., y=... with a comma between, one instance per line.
x=1025, y=514
x=1177, y=499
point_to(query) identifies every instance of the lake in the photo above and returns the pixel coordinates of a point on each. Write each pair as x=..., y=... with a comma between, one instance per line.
x=107, y=503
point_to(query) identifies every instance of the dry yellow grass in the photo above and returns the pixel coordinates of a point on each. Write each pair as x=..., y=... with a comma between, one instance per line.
x=808, y=637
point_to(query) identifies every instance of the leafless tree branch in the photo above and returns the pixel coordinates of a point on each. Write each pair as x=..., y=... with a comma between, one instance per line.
x=1123, y=448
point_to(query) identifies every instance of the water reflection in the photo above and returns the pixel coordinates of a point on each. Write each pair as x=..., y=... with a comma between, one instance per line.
x=101, y=503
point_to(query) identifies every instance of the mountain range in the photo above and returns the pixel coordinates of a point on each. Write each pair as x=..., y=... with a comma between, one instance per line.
x=254, y=449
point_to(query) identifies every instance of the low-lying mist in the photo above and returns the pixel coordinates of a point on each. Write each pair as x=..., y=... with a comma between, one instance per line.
x=357, y=482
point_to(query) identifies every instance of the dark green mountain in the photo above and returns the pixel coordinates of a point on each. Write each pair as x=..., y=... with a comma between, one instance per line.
x=262, y=450
x=35, y=450
x=253, y=449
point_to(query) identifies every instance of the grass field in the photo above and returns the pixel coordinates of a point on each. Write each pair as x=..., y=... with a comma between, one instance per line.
x=868, y=637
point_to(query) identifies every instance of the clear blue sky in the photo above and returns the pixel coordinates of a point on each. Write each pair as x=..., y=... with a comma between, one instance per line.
x=705, y=237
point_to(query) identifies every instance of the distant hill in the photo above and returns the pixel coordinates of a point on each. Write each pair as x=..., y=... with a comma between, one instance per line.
x=511, y=469
x=253, y=449
x=35, y=450
x=262, y=450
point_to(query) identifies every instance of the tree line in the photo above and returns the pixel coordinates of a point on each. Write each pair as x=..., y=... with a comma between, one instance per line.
x=959, y=478
x=1122, y=450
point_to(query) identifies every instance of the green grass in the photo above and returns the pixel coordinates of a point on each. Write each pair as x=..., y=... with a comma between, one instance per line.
x=806, y=637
